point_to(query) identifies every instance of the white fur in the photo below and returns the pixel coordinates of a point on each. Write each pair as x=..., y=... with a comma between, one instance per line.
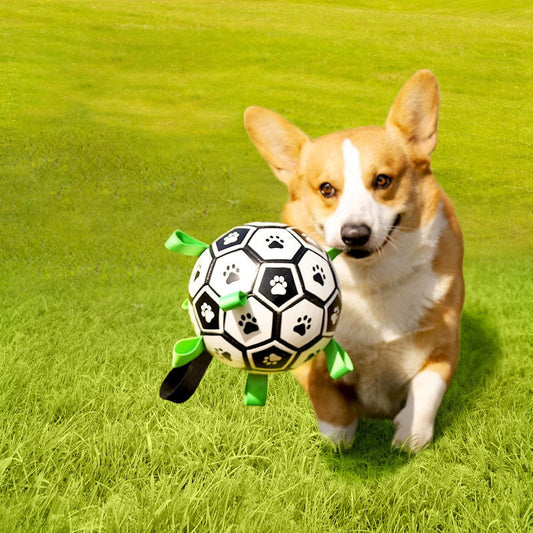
x=357, y=205
x=338, y=434
x=416, y=420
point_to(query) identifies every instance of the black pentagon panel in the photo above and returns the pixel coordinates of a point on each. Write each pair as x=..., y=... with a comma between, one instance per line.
x=333, y=311
x=278, y=285
x=231, y=240
x=208, y=312
x=271, y=358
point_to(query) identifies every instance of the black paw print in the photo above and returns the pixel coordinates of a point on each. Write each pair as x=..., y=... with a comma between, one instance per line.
x=275, y=241
x=302, y=325
x=248, y=323
x=319, y=275
x=196, y=274
x=231, y=274
x=223, y=353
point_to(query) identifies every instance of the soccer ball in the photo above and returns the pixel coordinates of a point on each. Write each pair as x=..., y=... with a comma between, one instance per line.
x=290, y=298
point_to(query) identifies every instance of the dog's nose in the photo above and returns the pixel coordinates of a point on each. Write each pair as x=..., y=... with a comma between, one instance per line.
x=355, y=235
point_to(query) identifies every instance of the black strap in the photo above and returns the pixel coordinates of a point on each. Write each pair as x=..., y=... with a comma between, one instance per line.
x=181, y=382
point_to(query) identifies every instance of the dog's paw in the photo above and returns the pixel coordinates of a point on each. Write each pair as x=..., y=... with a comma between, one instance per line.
x=411, y=436
x=338, y=435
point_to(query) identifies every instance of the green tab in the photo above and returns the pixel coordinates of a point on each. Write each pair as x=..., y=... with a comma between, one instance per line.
x=256, y=389
x=182, y=243
x=233, y=301
x=185, y=304
x=338, y=361
x=186, y=350
x=334, y=252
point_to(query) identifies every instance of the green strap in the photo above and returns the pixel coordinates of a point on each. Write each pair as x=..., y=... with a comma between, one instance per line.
x=256, y=389
x=186, y=350
x=334, y=252
x=338, y=361
x=233, y=301
x=182, y=243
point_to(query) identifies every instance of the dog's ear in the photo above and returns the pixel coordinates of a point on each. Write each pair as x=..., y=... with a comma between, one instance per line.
x=415, y=113
x=277, y=140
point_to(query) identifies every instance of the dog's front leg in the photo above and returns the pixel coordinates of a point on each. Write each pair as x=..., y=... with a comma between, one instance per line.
x=415, y=422
x=332, y=401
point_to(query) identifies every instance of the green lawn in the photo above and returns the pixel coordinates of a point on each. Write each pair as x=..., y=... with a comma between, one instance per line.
x=122, y=121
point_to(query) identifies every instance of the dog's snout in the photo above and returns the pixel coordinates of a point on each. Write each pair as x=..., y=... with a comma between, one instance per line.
x=355, y=235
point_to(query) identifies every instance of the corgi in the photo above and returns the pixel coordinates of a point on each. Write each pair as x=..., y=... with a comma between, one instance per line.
x=371, y=192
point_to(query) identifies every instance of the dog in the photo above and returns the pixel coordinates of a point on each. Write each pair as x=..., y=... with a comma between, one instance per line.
x=371, y=192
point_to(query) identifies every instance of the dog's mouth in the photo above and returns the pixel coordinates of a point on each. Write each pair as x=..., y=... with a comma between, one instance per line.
x=363, y=253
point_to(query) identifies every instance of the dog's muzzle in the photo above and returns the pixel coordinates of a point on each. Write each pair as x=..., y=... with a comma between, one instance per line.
x=357, y=236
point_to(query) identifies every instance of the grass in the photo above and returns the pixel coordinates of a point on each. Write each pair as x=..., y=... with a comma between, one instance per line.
x=120, y=122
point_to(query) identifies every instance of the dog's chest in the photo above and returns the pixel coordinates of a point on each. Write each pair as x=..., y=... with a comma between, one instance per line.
x=376, y=317
x=378, y=332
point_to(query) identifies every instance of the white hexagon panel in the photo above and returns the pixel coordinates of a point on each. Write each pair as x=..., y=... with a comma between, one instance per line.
x=318, y=275
x=251, y=324
x=269, y=224
x=234, y=271
x=311, y=352
x=274, y=244
x=301, y=324
x=199, y=272
x=224, y=351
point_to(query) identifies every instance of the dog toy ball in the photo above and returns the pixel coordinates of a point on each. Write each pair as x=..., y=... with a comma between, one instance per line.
x=264, y=298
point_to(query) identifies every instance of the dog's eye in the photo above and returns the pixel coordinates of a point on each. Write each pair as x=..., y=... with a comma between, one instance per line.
x=382, y=181
x=327, y=190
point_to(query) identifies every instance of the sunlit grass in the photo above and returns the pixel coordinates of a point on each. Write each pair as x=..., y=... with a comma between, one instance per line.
x=122, y=121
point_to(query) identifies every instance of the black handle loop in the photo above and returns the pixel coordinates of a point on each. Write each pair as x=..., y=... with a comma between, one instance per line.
x=181, y=382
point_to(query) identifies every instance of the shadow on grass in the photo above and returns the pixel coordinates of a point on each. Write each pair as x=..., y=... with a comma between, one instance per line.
x=480, y=351
x=372, y=456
